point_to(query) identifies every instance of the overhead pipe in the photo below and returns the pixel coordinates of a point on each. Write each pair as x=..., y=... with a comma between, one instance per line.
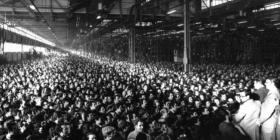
x=51, y=8
x=59, y=4
x=120, y=7
x=14, y=11
x=4, y=2
x=32, y=13
x=43, y=19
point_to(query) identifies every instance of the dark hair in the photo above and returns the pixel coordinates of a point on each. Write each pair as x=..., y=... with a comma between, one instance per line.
x=261, y=80
x=91, y=133
x=141, y=136
x=277, y=83
x=233, y=108
x=135, y=122
x=221, y=114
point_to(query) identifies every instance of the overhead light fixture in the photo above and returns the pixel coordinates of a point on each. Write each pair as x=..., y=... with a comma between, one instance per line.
x=272, y=5
x=218, y=31
x=255, y=11
x=98, y=17
x=182, y=31
x=272, y=20
x=107, y=20
x=32, y=7
x=180, y=25
x=149, y=23
x=261, y=30
x=100, y=6
x=197, y=23
x=243, y=21
x=137, y=24
x=49, y=28
x=26, y=33
x=201, y=29
x=276, y=24
x=251, y=27
x=278, y=28
x=214, y=26
x=171, y=12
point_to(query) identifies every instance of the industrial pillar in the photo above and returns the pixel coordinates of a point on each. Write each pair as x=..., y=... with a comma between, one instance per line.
x=21, y=40
x=131, y=44
x=187, y=38
x=2, y=39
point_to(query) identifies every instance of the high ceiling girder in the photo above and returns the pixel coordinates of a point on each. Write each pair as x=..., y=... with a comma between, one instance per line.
x=63, y=15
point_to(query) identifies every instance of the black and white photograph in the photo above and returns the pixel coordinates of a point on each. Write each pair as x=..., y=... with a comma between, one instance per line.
x=139, y=69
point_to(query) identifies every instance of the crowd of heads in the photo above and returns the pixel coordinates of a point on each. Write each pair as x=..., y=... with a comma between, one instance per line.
x=76, y=98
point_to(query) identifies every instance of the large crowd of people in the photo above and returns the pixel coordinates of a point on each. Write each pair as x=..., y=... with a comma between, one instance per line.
x=239, y=47
x=74, y=98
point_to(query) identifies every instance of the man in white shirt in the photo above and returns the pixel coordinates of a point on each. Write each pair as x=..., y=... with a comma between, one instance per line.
x=268, y=116
x=247, y=115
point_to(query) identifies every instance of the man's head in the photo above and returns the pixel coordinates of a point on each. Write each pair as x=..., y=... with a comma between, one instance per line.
x=272, y=83
x=258, y=83
x=138, y=125
x=91, y=136
x=244, y=96
x=108, y=132
x=66, y=129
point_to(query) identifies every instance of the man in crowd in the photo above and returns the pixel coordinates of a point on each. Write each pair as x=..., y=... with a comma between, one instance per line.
x=89, y=94
x=268, y=116
x=260, y=89
x=247, y=115
x=138, y=131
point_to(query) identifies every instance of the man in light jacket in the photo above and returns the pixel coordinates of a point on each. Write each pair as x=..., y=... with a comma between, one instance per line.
x=268, y=116
x=247, y=115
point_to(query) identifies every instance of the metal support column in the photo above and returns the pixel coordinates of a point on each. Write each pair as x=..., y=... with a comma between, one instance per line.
x=21, y=42
x=131, y=45
x=187, y=40
x=2, y=40
x=51, y=13
x=97, y=51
